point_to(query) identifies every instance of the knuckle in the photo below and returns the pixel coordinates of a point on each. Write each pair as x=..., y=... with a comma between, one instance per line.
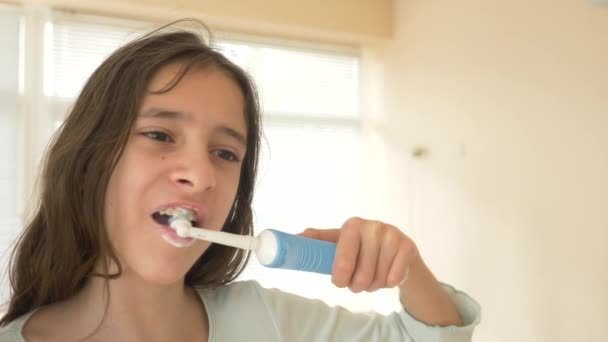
x=377, y=229
x=378, y=224
x=310, y=232
x=408, y=246
x=353, y=221
x=394, y=233
x=393, y=239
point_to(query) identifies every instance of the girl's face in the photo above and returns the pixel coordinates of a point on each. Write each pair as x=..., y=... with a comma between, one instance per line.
x=185, y=150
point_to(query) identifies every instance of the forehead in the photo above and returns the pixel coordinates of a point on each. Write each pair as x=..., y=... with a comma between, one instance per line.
x=207, y=93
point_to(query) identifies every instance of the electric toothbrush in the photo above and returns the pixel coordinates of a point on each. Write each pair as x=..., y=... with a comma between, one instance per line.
x=272, y=248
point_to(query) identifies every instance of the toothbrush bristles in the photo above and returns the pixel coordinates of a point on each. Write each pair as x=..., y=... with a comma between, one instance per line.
x=181, y=225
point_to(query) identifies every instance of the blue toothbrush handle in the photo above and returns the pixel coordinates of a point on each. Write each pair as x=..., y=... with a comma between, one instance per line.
x=302, y=254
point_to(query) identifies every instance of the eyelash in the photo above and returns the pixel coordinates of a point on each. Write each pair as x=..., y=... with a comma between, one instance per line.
x=166, y=138
x=154, y=135
x=227, y=155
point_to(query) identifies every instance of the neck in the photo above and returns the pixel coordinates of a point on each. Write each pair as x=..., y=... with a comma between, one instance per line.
x=137, y=310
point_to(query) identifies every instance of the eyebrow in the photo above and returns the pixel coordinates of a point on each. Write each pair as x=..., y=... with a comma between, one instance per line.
x=165, y=114
x=233, y=133
x=183, y=116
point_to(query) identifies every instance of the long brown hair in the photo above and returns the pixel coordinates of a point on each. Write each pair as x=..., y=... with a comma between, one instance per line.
x=66, y=236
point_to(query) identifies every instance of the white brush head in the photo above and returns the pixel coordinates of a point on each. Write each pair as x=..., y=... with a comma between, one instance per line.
x=182, y=227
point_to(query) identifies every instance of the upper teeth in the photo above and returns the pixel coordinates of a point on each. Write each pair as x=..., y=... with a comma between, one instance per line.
x=185, y=213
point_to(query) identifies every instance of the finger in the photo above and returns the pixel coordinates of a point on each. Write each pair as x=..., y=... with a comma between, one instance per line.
x=347, y=251
x=400, y=264
x=388, y=251
x=367, y=260
x=331, y=235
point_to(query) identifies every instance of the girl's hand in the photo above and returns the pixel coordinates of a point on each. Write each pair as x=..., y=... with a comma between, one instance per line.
x=370, y=255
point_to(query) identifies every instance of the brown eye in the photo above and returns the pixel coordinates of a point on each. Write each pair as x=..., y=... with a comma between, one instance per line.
x=226, y=155
x=158, y=136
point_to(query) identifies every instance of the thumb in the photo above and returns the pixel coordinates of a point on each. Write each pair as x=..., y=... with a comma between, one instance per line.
x=330, y=235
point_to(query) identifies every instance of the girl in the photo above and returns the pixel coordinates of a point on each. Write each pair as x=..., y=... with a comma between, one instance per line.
x=164, y=123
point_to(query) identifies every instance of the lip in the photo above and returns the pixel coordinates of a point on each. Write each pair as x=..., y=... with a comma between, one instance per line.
x=170, y=236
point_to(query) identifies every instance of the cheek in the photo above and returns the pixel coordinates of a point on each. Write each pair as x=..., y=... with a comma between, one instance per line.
x=230, y=191
x=123, y=211
x=122, y=189
x=132, y=175
x=135, y=178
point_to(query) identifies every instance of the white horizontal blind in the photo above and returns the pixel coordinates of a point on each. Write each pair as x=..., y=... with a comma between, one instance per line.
x=310, y=169
x=300, y=81
x=75, y=45
x=9, y=86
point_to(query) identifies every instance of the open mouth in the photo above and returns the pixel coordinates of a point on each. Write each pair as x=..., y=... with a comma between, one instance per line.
x=164, y=216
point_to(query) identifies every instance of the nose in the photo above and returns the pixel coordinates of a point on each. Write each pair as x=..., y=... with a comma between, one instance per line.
x=194, y=173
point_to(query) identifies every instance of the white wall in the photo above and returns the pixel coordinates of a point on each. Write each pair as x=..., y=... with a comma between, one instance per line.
x=511, y=99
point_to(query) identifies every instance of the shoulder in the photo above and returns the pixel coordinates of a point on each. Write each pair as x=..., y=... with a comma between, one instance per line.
x=8, y=334
x=41, y=324
x=12, y=332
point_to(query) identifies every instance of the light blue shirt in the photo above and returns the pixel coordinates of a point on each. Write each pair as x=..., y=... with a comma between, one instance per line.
x=245, y=311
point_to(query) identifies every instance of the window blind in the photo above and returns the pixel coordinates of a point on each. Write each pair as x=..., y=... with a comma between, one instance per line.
x=75, y=45
x=300, y=81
